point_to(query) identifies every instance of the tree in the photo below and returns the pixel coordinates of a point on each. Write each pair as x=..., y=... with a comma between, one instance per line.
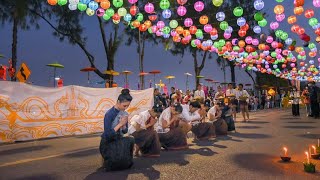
x=15, y=12
x=68, y=26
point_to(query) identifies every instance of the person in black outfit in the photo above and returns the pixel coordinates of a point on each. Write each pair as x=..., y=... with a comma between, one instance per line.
x=263, y=101
x=314, y=93
x=173, y=91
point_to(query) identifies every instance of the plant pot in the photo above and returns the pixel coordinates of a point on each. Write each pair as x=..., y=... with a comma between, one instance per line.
x=309, y=167
x=285, y=158
x=315, y=156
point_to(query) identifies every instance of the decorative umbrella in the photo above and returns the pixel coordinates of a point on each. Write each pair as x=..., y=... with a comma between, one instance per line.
x=187, y=80
x=88, y=69
x=154, y=72
x=111, y=73
x=170, y=77
x=140, y=85
x=143, y=73
x=126, y=73
x=2, y=56
x=55, y=66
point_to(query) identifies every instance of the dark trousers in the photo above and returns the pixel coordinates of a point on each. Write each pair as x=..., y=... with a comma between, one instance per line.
x=295, y=109
x=315, y=109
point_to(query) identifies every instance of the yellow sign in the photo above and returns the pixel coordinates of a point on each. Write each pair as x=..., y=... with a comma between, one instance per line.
x=23, y=73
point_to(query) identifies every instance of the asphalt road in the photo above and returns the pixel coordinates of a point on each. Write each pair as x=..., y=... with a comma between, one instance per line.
x=250, y=153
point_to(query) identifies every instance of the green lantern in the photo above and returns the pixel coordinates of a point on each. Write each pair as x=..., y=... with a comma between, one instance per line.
x=258, y=16
x=166, y=30
x=311, y=46
x=109, y=12
x=245, y=54
x=139, y=17
x=193, y=44
x=122, y=11
x=313, y=21
x=106, y=17
x=117, y=3
x=236, y=48
x=273, y=54
x=199, y=33
x=284, y=36
x=299, y=56
x=217, y=3
x=254, y=53
x=238, y=11
x=150, y=30
x=249, y=68
x=224, y=25
x=62, y=2
x=82, y=7
x=263, y=23
x=222, y=42
x=164, y=4
x=173, y=24
x=216, y=44
x=279, y=1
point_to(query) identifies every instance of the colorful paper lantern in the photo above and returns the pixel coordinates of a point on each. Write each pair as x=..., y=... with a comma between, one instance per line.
x=258, y=4
x=105, y=4
x=188, y=22
x=181, y=10
x=203, y=20
x=164, y=4
x=149, y=8
x=278, y=9
x=199, y=6
x=220, y=16
x=238, y=11
x=217, y=3
x=166, y=13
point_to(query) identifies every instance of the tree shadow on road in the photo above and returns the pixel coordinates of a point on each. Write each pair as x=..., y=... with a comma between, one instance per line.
x=256, y=162
x=309, y=136
x=299, y=127
x=251, y=135
x=84, y=153
x=39, y=177
x=145, y=165
x=301, y=122
x=23, y=150
x=258, y=122
x=248, y=127
x=89, y=135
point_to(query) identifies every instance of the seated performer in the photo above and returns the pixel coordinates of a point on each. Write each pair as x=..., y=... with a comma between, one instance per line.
x=215, y=114
x=142, y=129
x=190, y=114
x=202, y=129
x=170, y=134
x=117, y=150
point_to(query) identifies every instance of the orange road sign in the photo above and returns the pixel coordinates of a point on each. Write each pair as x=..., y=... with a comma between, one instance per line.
x=23, y=73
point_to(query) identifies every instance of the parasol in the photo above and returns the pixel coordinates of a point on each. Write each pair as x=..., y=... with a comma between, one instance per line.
x=187, y=80
x=88, y=69
x=126, y=73
x=111, y=72
x=170, y=77
x=55, y=66
x=154, y=72
x=143, y=73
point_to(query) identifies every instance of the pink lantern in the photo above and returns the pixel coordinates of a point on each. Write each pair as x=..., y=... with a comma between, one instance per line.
x=255, y=42
x=248, y=40
x=274, y=25
x=316, y=3
x=269, y=39
x=149, y=8
x=159, y=33
x=197, y=42
x=154, y=29
x=100, y=12
x=293, y=65
x=319, y=60
x=302, y=53
x=226, y=35
x=173, y=33
x=235, y=42
x=160, y=24
x=132, y=1
x=274, y=44
x=285, y=52
x=280, y=17
x=279, y=56
x=278, y=51
x=207, y=28
x=199, y=6
x=188, y=22
x=181, y=10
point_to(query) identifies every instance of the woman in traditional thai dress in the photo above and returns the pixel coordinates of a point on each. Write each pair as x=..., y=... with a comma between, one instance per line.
x=215, y=115
x=142, y=129
x=170, y=134
x=117, y=150
x=201, y=129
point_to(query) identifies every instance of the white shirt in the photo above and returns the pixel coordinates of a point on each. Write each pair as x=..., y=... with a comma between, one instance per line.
x=200, y=94
x=140, y=119
x=242, y=93
x=296, y=97
x=165, y=116
x=218, y=95
x=212, y=111
x=188, y=116
x=230, y=91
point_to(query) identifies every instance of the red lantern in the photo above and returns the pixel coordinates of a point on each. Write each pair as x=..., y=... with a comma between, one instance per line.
x=134, y=10
x=309, y=13
x=295, y=28
x=153, y=17
x=52, y=2
x=291, y=48
x=213, y=32
x=193, y=29
x=317, y=31
x=298, y=3
x=143, y=28
x=284, y=66
x=245, y=27
x=301, y=31
x=116, y=17
x=242, y=33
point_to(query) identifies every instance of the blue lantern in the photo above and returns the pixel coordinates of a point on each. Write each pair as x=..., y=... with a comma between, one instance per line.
x=93, y=5
x=241, y=21
x=220, y=16
x=166, y=13
x=258, y=4
x=257, y=29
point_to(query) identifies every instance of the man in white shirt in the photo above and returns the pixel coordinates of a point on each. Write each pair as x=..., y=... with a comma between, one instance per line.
x=243, y=97
x=199, y=92
x=231, y=95
x=219, y=94
x=190, y=115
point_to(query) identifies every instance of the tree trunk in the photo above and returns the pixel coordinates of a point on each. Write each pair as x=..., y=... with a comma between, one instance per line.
x=141, y=63
x=198, y=69
x=254, y=82
x=232, y=71
x=14, y=44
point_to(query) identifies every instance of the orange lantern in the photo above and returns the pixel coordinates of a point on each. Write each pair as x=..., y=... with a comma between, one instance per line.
x=135, y=23
x=280, y=45
x=309, y=13
x=105, y=4
x=312, y=54
x=148, y=23
x=97, y=0
x=176, y=38
x=186, y=33
x=114, y=85
x=261, y=46
x=292, y=19
x=179, y=30
x=278, y=9
x=143, y=28
x=241, y=43
x=298, y=10
x=318, y=39
x=301, y=63
x=52, y=2
x=193, y=29
x=153, y=17
x=203, y=20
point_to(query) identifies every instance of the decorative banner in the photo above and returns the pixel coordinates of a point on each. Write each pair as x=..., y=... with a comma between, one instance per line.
x=32, y=112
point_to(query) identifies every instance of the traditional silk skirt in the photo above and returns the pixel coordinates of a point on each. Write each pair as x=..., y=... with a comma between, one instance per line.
x=148, y=141
x=204, y=130
x=117, y=153
x=175, y=139
x=221, y=127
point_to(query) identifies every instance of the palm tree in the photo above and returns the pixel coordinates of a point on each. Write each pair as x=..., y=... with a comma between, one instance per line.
x=16, y=12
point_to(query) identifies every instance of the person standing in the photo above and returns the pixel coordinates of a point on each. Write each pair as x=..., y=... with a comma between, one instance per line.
x=231, y=95
x=173, y=91
x=314, y=93
x=199, y=92
x=243, y=97
x=295, y=96
x=306, y=100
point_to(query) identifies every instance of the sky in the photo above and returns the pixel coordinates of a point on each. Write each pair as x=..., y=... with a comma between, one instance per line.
x=39, y=47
